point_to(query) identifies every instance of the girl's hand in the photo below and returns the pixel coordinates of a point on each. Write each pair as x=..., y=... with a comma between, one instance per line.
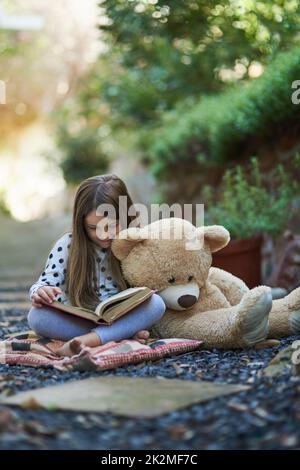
x=45, y=295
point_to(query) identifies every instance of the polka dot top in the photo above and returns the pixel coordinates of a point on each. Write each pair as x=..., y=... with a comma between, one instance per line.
x=56, y=268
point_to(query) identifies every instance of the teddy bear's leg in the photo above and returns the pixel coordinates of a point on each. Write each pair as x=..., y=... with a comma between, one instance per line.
x=241, y=325
x=285, y=315
x=231, y=286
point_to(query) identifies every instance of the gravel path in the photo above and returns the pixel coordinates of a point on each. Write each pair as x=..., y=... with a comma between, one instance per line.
x=265, y=417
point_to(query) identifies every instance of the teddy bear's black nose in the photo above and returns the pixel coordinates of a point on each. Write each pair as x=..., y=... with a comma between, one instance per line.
x=187, y=301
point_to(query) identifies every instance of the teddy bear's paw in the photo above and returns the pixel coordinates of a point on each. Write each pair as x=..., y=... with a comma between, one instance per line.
x=294, y=308
x=253, y=315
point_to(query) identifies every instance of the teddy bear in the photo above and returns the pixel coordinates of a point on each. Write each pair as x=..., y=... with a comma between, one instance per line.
x=174, y=257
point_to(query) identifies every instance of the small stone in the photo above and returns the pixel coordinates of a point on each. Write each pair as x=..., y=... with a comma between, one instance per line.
x=289, y=441
x=238, y=406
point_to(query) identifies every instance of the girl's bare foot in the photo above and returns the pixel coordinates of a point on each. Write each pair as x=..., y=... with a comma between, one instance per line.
x=75, y=345
x=70, y=348
x=141, y=336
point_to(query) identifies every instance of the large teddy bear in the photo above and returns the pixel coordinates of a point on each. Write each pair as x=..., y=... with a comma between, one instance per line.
x=203, y=302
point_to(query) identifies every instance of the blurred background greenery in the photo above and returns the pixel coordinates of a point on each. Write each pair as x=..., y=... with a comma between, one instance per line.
x=169, y=95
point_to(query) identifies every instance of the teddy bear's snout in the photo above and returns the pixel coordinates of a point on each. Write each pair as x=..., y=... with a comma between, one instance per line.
x=181, y=296
x=187, y=301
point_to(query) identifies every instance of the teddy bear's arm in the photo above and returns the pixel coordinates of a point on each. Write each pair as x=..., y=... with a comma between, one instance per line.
x=241, y=325
x=231, y=286
x=284, y=318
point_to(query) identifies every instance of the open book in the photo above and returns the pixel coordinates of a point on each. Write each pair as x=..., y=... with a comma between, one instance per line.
x=109, y=310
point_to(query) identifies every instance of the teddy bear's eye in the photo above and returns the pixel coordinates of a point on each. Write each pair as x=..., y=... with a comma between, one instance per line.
x=171, y=280
x=190, y=278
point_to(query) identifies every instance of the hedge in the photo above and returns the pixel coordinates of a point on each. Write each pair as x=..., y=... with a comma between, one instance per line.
x=213, y=130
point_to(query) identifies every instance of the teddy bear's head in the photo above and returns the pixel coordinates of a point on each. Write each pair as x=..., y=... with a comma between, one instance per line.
x=170, y=255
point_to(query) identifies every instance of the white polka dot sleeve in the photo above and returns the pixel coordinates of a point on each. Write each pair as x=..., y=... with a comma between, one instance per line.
x=56, y=266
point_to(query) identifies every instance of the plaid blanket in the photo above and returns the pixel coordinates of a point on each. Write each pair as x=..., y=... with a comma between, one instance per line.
x=28, y=349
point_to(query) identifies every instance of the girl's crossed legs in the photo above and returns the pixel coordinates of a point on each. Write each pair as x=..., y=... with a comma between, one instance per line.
x=53, y=323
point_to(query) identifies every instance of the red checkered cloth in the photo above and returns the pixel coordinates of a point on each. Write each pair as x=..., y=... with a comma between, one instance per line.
x=28, y=349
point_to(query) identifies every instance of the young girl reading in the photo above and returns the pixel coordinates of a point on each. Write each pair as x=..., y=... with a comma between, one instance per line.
x=81, y=270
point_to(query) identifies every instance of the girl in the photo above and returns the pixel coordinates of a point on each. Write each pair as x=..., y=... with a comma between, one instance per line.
x=81, y=270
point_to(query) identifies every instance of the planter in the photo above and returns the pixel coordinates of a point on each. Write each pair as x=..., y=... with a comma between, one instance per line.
x=242, y=258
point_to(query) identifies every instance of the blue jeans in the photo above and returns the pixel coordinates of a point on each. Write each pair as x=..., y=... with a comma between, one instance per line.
x=55, y=324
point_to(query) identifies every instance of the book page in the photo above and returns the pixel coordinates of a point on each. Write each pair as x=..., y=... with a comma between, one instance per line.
x=70, y=308
x=111, y=308
x=117, y=298
x=114, y=311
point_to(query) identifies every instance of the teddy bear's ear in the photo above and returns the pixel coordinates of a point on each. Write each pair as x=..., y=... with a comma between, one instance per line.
x=215, y=235
x=124, y=242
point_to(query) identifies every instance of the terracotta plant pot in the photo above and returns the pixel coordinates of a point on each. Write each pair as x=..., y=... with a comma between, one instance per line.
x=241, y=258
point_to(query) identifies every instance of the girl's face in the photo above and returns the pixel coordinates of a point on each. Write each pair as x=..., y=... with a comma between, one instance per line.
x=100, y=229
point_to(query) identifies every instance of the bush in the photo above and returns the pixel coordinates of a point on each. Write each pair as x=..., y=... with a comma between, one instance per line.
x=82, y=155
x=213, y=131
x=247, y=207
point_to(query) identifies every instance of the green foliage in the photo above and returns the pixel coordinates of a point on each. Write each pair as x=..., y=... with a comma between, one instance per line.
x=81, y=129
x=165, y=52
x=13, y=44
x=246, y=206
x=219, y=127
x=160, y=80
x=82, y=154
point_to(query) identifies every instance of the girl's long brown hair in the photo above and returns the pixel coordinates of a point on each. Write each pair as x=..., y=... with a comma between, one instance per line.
x=81, y=277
